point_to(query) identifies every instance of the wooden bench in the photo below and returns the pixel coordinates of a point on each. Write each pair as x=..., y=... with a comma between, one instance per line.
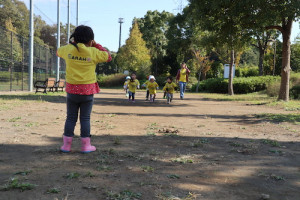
x=60, y=85
x=49, y=83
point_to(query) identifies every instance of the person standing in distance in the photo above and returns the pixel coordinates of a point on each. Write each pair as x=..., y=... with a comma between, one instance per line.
x=182, y=77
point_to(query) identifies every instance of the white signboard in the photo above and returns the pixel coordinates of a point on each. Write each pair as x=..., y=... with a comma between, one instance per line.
x=226, y=70
x=126, y=72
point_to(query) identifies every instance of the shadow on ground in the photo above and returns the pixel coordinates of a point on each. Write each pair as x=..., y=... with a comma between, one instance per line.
x=98, y=100
x=155, y=167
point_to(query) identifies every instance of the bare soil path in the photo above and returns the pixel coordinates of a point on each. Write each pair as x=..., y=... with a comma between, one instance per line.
x=191, y=149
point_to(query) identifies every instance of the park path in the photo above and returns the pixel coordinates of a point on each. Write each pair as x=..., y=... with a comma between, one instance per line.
x=213, y=149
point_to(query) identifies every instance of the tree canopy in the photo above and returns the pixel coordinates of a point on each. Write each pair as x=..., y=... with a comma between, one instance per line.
x=134, y=55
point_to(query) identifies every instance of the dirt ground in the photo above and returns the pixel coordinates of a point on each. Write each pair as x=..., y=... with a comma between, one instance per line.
x=194, y=148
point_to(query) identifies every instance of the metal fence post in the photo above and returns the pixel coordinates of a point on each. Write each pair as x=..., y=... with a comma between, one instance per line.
x=46, y=70
x=11, y=58
x=22, y=63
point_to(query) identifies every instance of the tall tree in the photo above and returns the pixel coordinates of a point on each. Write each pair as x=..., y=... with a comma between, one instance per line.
x=261, y=41
x=274, y=14
x=203, y=64
x=223, y=22
x=295, y=55
x=154, y=26
x=17, y=12
x=134, y=55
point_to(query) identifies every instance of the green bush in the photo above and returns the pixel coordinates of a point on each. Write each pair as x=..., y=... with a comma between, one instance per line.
x=192, y=81
x=246, y=71
x=240, y=85
x=272, y=89
x=295, y=92
x=295, y=78
x=112, y=80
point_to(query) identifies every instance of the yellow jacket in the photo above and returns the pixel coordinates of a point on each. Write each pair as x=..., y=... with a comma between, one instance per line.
x=81, y=63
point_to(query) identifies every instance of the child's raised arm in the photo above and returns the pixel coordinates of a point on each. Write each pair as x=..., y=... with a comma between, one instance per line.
x=100, y=48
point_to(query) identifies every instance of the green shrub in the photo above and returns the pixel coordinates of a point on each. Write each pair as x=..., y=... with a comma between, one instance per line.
x=295, y=78
x=246, y=71
x=272, y=89
x=295, y=92
x=192, y=81
x=113, y=80
x=240, y=85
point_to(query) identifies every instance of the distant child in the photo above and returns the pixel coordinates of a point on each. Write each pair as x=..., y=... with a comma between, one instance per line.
x=126, y=86
x=133, y=84
x=169, y=89
x=81, y=57
x=152, y=86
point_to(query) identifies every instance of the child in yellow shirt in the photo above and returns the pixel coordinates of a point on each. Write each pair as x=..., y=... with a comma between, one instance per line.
x=152, y=86
x=133, y=84
x=81, y=57
x=169, y=88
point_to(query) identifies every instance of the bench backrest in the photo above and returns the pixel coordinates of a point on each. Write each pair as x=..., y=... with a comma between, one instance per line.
x=61, y=83
x=51, y=82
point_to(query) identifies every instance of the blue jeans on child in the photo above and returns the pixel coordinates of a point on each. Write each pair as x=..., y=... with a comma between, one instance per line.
x=76, y=102
x=182, y=86
x=131, y=95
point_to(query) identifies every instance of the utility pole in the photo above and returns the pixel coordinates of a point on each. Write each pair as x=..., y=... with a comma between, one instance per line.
x=121, y=21
x=31, y=36
x=77, y=13
x=58, y=41
x=68, y=34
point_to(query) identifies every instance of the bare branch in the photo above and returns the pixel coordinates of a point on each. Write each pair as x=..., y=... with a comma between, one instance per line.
x=274, y=27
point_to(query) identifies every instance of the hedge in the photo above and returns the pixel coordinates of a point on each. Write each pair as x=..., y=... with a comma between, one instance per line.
x=242, y=85
x=113, y=80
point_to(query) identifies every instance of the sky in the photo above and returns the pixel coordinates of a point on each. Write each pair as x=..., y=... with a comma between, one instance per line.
x=103, y=15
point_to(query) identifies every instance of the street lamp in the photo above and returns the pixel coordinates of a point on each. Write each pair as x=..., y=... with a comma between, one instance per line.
x=121, y=21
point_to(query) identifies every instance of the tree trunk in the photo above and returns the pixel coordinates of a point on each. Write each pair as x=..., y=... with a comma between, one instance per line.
x=197, y=88
x=286, y=56
x=230, y=81
x=203, y=76
x=261, y=61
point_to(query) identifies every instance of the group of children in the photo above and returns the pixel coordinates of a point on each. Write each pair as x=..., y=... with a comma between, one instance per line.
x=131, y=84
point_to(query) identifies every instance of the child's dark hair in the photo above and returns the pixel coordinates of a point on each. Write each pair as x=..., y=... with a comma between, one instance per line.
x=82, y=34
x=170, y=77
x=133, y=73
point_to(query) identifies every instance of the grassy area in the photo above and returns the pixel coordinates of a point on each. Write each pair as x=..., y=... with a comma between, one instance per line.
x=293, y=118
x=256, y=98
x=9, y=101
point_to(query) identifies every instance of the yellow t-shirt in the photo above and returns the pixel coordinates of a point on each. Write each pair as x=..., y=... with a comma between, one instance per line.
x=152, y=87
x=81, y=64
x=182, y=75
x=132, y=85
x=170, y=86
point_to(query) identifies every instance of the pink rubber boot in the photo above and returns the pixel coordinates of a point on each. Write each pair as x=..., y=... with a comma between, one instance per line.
x=86, y=146
x=67, y=144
